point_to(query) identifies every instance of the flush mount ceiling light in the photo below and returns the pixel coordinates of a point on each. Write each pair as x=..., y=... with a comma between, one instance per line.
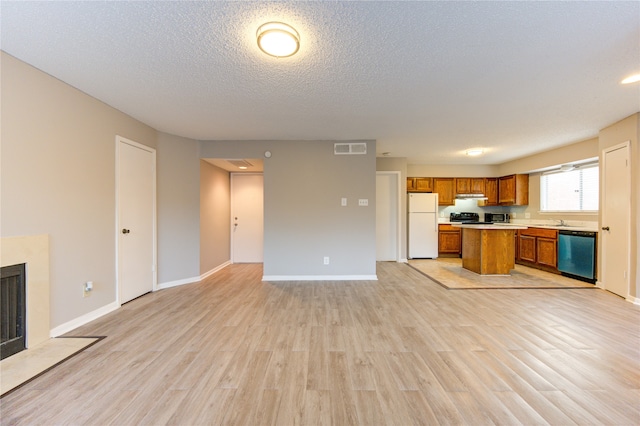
x=278, y=39
x=241, y=164
x=631, y=79
x=474, y=152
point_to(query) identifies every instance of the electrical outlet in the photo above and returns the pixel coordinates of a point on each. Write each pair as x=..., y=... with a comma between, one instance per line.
x=527, y=215
x=326, y=260
x=87, y=288
x=343, y=202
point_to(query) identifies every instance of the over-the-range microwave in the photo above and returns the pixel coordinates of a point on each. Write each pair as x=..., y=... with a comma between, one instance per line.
x=496, y=217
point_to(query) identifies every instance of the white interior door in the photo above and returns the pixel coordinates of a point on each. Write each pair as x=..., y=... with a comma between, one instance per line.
x=247, y=217
x=136, y=219
x=615, y=227
x=387, y=216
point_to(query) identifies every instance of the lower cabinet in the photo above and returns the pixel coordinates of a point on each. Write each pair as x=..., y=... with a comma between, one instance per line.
x=538, y=247
x=527, y=248
x=449, y=240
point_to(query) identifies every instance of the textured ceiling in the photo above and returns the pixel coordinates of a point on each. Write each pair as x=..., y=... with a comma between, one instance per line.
x=427, y=80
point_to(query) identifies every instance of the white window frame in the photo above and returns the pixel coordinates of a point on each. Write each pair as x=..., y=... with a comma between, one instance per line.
x=543, y=187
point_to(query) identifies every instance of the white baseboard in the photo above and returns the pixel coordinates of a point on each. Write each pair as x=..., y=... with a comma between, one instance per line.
x=176, y=283
x=84, y=319
x=319, y=278
x=192, y=280
x=634, y=300
x=404, y=261
x=214, y=270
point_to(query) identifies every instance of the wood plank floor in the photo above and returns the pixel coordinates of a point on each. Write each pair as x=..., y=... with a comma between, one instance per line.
x=398, y=351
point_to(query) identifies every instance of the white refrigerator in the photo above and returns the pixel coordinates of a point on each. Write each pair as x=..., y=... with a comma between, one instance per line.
x=423, y=226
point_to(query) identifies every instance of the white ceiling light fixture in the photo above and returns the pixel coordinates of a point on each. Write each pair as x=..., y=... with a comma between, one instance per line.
x=278, y=39
x=474, y=152
x=241, y=164
x=631, y=79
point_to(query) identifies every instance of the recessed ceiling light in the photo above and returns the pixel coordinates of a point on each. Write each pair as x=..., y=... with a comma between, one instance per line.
x=278, y=39
x=631, y=79
x=474, y=152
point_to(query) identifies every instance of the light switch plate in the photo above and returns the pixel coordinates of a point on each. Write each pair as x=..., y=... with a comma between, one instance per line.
x=343, y=203
x=363, y=202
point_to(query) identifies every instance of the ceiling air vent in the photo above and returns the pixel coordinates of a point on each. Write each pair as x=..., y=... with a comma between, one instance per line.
x=350, y=148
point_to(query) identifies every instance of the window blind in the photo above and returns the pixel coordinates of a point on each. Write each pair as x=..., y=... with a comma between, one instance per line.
x=573, y=191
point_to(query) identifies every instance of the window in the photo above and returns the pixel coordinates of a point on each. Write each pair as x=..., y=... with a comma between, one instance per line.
x=573, y=191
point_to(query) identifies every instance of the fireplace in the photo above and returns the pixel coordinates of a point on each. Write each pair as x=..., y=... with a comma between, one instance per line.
x=33, y=251
x=12, y=310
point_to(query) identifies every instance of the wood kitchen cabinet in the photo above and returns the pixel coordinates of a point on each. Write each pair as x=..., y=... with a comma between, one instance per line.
x=491, y=192
x=547, y=252
x=538, y=247
x=449, y=240
x=419, y=184
x=527, y=248
x=445, y=187
x=469, y=185
x=463, y=186
x=513, y=190
x=477, y=185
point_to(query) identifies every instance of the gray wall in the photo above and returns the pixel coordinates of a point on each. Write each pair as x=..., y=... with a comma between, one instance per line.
x=214, y=217
x=178, y=209
x=58, y=178
x=303, y=220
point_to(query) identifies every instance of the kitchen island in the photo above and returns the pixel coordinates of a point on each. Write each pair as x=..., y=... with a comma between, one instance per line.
x=488, y=249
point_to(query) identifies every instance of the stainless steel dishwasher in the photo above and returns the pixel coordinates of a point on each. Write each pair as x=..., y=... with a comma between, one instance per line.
x=577, y=254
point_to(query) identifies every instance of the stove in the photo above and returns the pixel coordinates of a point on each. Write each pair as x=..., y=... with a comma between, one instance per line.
x=464, y=217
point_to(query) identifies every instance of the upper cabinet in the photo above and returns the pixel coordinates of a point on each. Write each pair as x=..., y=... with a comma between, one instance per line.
x=477, y=185
x=462, y=186
x=491, y=192
x=445, y=187
x=469, y=185
x=419, y=184
x=513, y=190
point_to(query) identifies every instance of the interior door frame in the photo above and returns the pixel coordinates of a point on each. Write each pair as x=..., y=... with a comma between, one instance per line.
x=626, y=146
x=398, y=226
x=121, y=140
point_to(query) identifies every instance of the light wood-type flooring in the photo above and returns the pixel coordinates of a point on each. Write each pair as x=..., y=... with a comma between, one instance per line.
x=401, y=350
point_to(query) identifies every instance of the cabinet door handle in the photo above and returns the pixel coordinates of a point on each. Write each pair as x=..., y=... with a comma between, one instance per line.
x=125, y=231
x=605, y=228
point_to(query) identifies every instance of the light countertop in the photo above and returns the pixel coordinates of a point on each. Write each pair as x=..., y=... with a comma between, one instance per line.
x=524, y=224
x=499, y=226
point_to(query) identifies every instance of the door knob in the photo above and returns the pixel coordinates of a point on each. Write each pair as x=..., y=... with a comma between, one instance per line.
x=125, y=231
x=605, y=228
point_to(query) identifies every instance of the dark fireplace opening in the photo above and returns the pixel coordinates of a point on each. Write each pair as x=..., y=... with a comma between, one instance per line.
x=12, y=310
